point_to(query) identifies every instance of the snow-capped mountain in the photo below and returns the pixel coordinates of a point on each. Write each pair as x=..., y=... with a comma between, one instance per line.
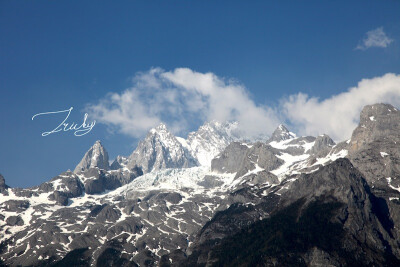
x=182, y=210
x=210, y=139
x=160, y=150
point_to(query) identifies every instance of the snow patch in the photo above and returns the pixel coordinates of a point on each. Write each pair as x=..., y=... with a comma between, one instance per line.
x=383, y=154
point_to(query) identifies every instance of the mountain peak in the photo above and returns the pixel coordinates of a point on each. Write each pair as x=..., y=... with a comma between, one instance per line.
x=378, y=121
x=229, y=128
x=159, y=150
x=215, y=123
x=210, y=139
x=96, y=156
x=281, y=133
x=162, y=149
x=160, y=128
x=372, y=112
x=282, y=128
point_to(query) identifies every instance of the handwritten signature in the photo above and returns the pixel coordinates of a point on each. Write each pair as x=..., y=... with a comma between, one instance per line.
x=80, y=130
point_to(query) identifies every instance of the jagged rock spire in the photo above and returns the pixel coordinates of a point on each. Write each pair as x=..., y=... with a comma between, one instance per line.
x=96, y=156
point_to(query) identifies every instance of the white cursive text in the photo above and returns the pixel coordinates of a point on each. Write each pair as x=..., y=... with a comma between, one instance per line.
x=64, y=126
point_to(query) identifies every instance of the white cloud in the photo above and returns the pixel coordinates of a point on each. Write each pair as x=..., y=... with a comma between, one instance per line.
x=184, y=99
x=338, y=115
x=181, y=98
x=375, y=38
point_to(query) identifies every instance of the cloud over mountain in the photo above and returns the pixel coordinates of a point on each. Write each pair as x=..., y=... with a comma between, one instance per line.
x=180, y=98
x=184, y=99
x=339, y=114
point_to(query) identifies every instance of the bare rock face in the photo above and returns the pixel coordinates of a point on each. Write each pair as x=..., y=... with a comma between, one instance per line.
x=377, y=122
x=261, y=155
x=323, y=144
x=230, y=159
x=159, y=150
x=261, y=177
x=96, y=181
x=241, y=158
x=3, y=185
x=62, y=187
x=15, y=220
x=375, y=152
x=336, y=198
x=69, y=183
x=61, y=198
x=96, y=156
x=119, y=162
x=375, y=145
x=318, y=257
x=105, y=213
x=16, y=205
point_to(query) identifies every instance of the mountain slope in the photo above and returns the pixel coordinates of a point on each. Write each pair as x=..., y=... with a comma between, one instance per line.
x=336, y=197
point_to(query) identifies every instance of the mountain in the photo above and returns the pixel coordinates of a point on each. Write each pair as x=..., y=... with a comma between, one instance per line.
x=377, y=122
x=280, y=134
x=374, y=146
x=214, y=199
x=160, y=150
x=210, y=139
x=96, y=156
x=327, y=218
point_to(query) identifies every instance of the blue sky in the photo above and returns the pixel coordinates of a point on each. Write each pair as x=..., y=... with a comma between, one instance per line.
x=58, y=54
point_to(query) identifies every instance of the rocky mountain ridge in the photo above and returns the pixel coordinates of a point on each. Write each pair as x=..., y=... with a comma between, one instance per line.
x=161, y=149
x=154, y=213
